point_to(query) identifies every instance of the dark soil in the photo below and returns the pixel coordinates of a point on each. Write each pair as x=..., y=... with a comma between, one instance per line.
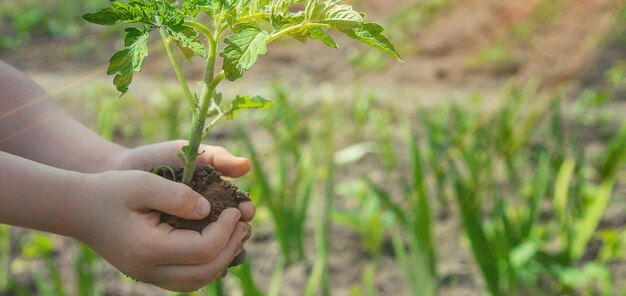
x=220, y=193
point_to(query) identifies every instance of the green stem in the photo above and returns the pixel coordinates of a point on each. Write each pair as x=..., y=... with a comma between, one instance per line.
x=200, y=114
x=286, y=31
x=167, y=41
x=212, y=124
x=161, y=168
x=200, y=27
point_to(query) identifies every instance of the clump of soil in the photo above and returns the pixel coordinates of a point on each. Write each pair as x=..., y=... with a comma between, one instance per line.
x=208, y=182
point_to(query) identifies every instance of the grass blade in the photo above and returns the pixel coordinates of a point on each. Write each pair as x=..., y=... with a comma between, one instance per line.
x=540, y=187
x=215, y=289
x=244, y=274
x=5, y=244
x=86, y=272
x=599, y=196
x=385, y=198
x=561, y=190
x=481, y=248
x=422, y=224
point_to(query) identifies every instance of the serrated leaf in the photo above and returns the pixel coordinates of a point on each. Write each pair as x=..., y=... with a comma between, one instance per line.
x=105, y=17
x=132, y=34
x=187, y=37
x=119, y=13
x=127, y=61
x=187, y=53
x=280, y=15
x=314, y=33
x=242, y=51
x=371, y=34
x=247, y=102
x=194, y=7
x=321, y=35
x=339, y=16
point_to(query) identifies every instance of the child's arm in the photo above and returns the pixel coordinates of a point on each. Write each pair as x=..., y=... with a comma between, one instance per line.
x=33, y=126
x=114, y=213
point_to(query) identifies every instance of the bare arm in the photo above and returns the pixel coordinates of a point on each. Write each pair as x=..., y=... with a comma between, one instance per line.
x=33, y=126
x=36, y=196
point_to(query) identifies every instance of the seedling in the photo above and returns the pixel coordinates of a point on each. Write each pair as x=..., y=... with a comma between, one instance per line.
x=235, y=31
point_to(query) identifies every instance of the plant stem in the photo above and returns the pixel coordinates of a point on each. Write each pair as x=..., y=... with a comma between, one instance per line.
x=212, y=124
x=200, y=114
x=167, y=41
x=200, y=27
x=286, y=31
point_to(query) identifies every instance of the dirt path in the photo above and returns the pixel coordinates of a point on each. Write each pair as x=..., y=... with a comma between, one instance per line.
x=473, y=25
x=571, y=43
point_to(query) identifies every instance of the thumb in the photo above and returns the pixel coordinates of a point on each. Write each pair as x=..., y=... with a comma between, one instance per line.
x=224, y=161
x=173, y=198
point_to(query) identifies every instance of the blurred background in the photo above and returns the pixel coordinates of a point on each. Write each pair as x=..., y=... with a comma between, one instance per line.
x=492, y=162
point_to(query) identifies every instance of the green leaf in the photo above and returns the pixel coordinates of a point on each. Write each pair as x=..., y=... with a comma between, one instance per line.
x=106, y=17
x=242, y=51
x=321, y=35
x=194, y=7
x=186, y=155
x=187, y=37
x=247, y=102
x=371, y=34
x=339, y=16
x=280, y=15
x=132, y=34
x=118, y=14
x=129, y=60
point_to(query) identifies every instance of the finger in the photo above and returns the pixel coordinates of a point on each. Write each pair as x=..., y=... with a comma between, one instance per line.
x=156, y=193
x=166, y=153
x=247, y=210
x=190, y=247
x=192, y=277
x=239, y=259
x=223, y=161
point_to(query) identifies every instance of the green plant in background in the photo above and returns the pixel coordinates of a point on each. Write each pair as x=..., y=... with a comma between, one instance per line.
x=253, y=25
x=367, y=219
x=5, y=244
x=23, y=20
x=288, y=191
x=515, y=249
x=413, y=216
x=42, y=246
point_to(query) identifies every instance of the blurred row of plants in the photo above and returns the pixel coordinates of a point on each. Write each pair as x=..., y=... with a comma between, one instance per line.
x=21, y=21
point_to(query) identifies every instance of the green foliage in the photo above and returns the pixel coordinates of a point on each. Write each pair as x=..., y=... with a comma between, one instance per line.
x=247, y=41
x=22, y=21
x=242, y=50
x=128, y=60
x=5, y=244
x=287, y=192
x=367, y=219
x=247, y=102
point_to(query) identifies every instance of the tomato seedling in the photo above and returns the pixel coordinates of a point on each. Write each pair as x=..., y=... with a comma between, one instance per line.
x=238, y=32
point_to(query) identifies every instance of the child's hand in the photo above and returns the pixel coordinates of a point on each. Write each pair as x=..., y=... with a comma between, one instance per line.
x=148, y=157
x=121, y=221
